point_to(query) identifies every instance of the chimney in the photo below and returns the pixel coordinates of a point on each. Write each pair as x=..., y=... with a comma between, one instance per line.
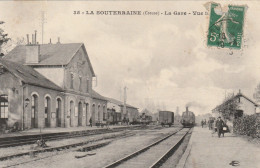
x=58, y=40
x=28, y=39
x=32, y=54
x=35, y=41
x=187, y=108
x=32, y=51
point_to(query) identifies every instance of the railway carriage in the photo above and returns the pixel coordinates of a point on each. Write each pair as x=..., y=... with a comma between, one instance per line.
x=188, y=118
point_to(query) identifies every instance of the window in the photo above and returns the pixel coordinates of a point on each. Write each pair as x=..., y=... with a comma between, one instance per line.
x=47, y=107
x=33, y=106
x=98, y=114
x=58, y=105
x=71, y=80
x=80, y=83
x=3, y=106
x=104, y=112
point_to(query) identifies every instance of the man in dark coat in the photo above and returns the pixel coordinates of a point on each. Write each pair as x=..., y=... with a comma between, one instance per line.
x=90, y=121
x=219, y=125
x=202, y=123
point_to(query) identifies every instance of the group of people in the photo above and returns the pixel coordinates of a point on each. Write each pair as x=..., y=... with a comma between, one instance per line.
x=203, y=122
x=218, y=126
x=100, y=124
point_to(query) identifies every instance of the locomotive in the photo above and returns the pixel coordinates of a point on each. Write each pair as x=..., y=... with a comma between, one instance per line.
x=188, y=118
x=145, y=119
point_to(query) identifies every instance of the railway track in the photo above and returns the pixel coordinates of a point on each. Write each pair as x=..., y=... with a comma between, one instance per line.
x=72, y=145
x=153, y=155
x=31, y=139
x=87, y=147
x=80, y=147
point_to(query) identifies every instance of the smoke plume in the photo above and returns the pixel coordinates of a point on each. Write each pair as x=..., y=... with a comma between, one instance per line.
x=195, y=104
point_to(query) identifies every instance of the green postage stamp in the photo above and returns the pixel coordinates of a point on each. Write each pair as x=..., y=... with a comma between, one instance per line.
x=226, y=26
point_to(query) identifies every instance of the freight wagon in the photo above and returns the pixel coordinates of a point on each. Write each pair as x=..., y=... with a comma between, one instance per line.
x=113, y=117
x=166, y=118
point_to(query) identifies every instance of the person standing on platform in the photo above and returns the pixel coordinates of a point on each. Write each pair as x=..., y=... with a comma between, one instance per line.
x=90, y=121
x=219, y=125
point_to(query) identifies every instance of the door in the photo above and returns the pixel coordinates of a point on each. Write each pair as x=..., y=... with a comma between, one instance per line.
x=80, y=115
x=58, y=113
x=34, y=112
x=71, y=112
x=47, y=111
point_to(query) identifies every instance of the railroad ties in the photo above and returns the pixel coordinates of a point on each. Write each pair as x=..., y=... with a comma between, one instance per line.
x=31, y=139
x=24, y=140
x=153, y=155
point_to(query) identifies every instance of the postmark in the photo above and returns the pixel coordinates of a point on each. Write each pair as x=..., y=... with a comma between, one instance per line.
x=226, y=26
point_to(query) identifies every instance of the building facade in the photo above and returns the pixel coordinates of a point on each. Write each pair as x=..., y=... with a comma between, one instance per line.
x=116, y=108
x=49, y=85
x=245, y=106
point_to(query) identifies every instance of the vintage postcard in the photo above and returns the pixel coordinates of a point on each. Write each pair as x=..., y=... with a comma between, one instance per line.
x=131, y=84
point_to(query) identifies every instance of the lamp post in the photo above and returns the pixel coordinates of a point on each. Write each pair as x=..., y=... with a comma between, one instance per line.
x=26, y=102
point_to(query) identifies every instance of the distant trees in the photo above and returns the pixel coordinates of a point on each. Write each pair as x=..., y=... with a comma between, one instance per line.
x=6, y=43
x=3, y=38
x=257, y=93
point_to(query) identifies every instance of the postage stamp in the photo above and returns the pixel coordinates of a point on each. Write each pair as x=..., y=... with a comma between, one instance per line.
x=226, y=26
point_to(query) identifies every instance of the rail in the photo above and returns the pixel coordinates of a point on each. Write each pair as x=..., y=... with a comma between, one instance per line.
x=134, y=154
x=31, y=139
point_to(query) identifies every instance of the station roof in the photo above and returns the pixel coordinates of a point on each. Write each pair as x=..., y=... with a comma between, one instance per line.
x=50, y=54
x=234, y=98
x=119, y=103
x=28, y=75
x=96, y=95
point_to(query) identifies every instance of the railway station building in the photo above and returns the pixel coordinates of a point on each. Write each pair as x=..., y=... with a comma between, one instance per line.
x=245, y=106
x=115, y=111
x=49, y=85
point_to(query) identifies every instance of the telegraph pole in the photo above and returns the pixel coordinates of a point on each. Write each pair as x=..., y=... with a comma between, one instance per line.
x=125, y=96
x=43, y=20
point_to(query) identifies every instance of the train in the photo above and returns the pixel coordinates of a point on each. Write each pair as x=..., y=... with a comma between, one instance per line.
x=145, y=119
x=188, y=118
x=113, y=117
x=166, y=118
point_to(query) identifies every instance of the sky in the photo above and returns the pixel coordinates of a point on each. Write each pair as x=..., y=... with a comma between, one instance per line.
x=162, y=60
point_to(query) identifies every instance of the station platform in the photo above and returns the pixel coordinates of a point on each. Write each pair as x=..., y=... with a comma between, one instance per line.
x=209, y=151
x=38, y=131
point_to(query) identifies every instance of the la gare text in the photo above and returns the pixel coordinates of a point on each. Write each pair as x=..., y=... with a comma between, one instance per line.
x=178, y=13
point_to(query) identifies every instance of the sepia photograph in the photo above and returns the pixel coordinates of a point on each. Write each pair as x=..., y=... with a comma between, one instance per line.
x=129, y=84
